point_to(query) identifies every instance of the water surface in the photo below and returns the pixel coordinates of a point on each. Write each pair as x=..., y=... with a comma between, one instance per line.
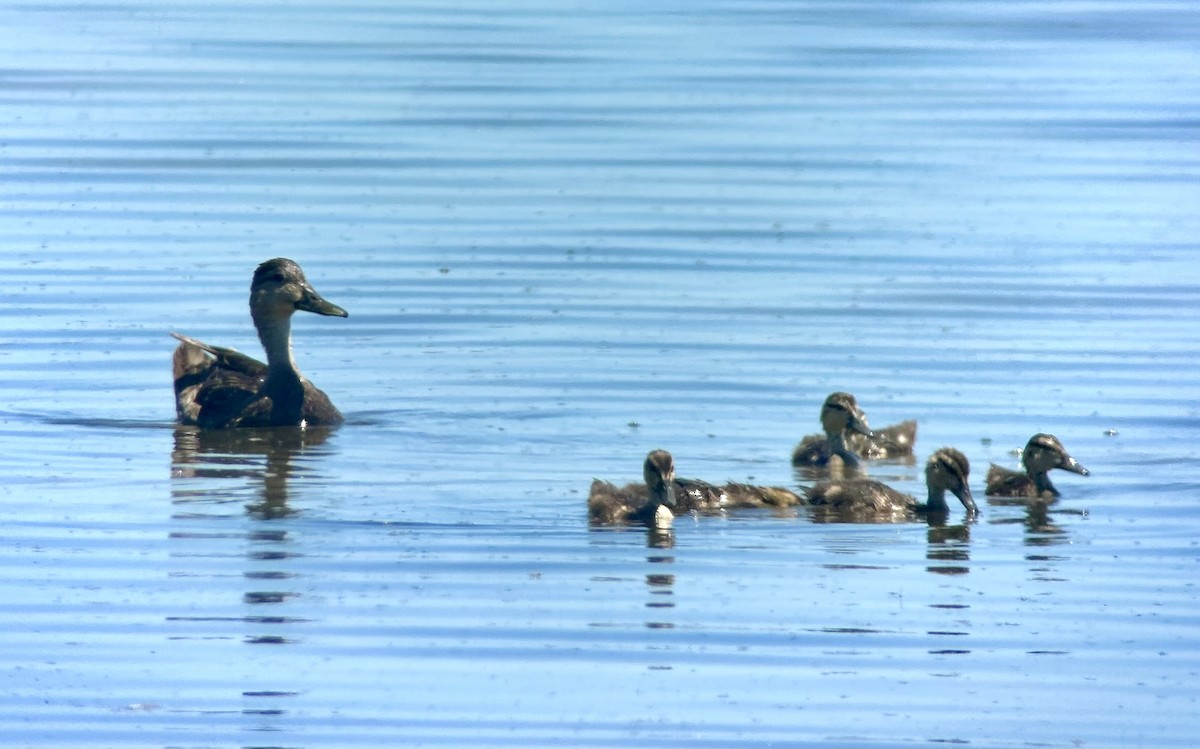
x=567, y=236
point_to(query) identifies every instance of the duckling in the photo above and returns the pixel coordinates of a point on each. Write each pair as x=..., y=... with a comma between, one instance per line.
x=840, y=416
x=1042, y=453
x=648, y=504
x=218, y=388
x=894, y=441
x=664, y=496
x=946, y=470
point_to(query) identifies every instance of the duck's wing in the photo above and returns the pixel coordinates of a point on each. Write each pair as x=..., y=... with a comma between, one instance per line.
x=608, y=504
x=859, y=501
x=215, y=386
x=224, y=358
x=859, y=495
x=699, y=496
x=1004, y=482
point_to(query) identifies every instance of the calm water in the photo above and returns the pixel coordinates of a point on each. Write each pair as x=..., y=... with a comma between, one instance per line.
x=567, y=234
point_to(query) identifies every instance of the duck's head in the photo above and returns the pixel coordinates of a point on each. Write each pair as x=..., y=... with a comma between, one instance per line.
x=659, y=472
x=279, y=288
x=1044, y=452
x=948, y=470
x=840, y=413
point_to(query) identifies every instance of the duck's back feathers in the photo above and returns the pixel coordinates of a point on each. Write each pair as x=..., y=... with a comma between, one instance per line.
x=701, y=497
x=609, y=504
x=814, y=450
x=219, y=388
x=854, y=499
x=1003, y=482
x=747, y=495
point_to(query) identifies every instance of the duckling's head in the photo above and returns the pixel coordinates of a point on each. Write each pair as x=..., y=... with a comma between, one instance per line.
x=279, y=288
x=840, y=412
x=948, y=470
x=659, y=472
x=1044, y=452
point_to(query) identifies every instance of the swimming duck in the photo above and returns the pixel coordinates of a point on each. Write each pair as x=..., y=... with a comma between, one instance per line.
x=841, y=418
x=649, y=504
x=664, y=496
x=217, y=387
x=1042, y=453
x=895, y=441
x=946, y=470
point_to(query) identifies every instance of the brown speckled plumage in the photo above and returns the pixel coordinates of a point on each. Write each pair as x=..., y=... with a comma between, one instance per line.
x=1042, y=454
x=840, y=419
x=640, y=503
x=649, y=503
x=843, y=419
x=863, y=499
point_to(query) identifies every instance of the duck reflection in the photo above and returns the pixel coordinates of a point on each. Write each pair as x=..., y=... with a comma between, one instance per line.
x=948, y=549
x=660, y=586
x=211, y=469
x=659, y=578
x=1037, y=517
x=265, y=456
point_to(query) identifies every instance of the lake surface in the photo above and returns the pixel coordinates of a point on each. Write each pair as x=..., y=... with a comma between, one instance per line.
x=568, y=234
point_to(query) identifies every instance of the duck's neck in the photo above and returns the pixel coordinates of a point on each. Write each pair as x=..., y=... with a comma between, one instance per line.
x=936, y=502
x=1041, y=482
x=283, y=385
x=838, y=446
x=275, y=333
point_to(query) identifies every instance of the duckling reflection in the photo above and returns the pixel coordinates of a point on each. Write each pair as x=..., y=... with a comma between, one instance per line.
x=948, y=549
x=265, y=456
x=1043, y=453
x=663, y=496
x=218, y=388
x=865, y=500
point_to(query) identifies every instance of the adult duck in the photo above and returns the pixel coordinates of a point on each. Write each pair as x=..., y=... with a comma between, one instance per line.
x=860, y=499
x=219, y=388
x=1042, y=454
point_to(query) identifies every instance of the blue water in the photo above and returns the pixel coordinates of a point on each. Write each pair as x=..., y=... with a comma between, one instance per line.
x=567, y=235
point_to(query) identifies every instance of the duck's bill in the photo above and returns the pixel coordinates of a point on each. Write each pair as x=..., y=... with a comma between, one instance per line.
x=314, y=302
x=855, y=424
x=964, y=496
x=1072, y=465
